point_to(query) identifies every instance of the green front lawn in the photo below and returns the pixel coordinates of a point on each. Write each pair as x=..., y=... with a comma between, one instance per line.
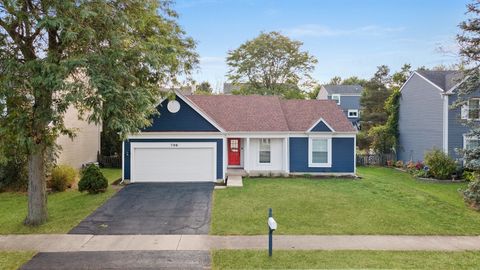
x=12, y=260
x=385, y=201
x=249, y=259
x=65, y=209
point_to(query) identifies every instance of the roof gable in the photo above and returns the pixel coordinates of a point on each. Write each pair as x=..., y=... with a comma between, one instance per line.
x=186, y=119
x=321, y=126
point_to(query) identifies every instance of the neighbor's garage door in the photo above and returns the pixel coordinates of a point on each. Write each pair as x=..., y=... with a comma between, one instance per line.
x=156, y=162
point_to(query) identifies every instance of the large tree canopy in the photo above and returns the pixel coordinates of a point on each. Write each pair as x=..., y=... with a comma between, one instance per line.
x=271, y=64
x=469, y=42
x=106, y=58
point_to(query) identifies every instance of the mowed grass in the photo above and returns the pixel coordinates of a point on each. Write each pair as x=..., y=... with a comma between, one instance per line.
x=12, y=260
x=65, y=209
x=249, y=259
x=384, y=201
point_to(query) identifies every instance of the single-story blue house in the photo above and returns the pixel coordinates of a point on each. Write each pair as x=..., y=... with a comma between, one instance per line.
x=202, y=138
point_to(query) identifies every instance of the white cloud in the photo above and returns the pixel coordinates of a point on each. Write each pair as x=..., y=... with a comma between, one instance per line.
x=317, y=30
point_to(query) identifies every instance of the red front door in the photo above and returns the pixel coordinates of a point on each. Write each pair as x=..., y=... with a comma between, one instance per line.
x=233, y=151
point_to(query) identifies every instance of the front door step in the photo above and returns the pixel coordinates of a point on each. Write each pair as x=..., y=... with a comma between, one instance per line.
x=234, y=181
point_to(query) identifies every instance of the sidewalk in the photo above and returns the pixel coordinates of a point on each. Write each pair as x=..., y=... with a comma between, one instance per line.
x=68, y=242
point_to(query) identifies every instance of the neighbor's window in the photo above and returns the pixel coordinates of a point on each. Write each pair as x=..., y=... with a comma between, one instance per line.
x=474, y=109
x=471, y=143
x=352, y=113
x=336, y=97
x=319, y=150
x=264, y=151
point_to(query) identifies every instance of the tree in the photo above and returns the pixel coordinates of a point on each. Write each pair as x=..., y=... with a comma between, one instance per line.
x=335, y=81
x=373, y=99
x=271, y=64
x=354, y=80
x=400, y=77
x=469, y=43
x=105, y=58
x=204, y=89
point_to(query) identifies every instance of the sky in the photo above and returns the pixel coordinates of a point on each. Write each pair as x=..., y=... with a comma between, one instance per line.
x=348, y=37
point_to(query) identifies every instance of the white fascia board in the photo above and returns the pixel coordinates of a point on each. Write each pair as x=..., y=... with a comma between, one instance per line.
x=248, y=134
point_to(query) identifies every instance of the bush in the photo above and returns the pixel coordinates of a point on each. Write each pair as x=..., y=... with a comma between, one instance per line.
x=469, y=176
x=390, y=163
x=92, y=180
x=472, y=195
x=421, y=173
x=399, y=164
x=62, y=177
x=441, y=166
x=411, y=165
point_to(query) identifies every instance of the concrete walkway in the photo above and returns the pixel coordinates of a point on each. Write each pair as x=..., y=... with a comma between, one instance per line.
x=70, y=243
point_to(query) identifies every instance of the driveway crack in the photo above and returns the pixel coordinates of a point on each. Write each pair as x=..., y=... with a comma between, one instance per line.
x=180, y=240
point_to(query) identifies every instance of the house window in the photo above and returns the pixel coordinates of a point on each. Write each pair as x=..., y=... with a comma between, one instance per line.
x=352, y=113
x=320, y=152
x=471, y=143
x=264, y=153
x=474, y=109
x=336, y=97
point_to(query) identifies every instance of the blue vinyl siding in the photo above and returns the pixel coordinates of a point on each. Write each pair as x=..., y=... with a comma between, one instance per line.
x=126, y=157
x=186, y=119
x=343, y=159
x=321, y=126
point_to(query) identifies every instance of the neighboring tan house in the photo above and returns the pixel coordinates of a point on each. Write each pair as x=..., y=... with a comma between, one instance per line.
x=347, y=97
x=85, y=145
x=426, y=119
x=202, y=138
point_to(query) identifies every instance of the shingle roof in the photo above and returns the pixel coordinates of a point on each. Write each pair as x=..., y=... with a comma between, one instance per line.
x=445, y=79
x=344, y=89
x=270, y=113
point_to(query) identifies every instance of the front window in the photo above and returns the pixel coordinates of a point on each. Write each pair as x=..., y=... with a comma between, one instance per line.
x=474, y=109
x=264, y=153
x=352, y=113
x=320, y=152
x=336, y=97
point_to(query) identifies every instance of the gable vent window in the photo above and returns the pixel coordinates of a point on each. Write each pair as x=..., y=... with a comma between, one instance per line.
x=336, y=97
x=265, y=153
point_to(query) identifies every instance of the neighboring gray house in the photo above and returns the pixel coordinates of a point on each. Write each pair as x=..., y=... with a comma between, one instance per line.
x=426, y=119
x=347, y=97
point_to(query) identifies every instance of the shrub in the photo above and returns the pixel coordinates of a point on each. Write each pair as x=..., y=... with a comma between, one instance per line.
x=421, y=173
x=472, y=195
x=62, y=177
x=419, y=165
x=92, y=180
x=469, y=176
x=389, y=163
x=411, y=165
x=399, y=164
x=441, y=166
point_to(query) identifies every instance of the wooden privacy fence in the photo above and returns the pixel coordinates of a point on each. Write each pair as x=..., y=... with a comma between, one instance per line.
x=110, y=161
x=374, y=159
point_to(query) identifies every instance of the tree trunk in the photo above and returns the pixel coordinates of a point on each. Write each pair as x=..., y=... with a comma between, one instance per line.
x=37, y=191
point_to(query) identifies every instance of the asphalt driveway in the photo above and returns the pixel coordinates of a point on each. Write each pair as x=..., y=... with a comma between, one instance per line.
x=153, y=208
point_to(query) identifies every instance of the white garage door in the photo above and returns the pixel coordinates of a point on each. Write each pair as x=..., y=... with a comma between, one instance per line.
x=163, y=162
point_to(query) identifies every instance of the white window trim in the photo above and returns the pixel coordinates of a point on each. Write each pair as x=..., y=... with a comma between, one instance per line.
x=339, y=98
x=353, y=110
x=260, y=150
x=328, y=164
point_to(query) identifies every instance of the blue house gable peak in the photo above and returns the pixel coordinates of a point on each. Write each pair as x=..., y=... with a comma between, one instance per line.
x=187, y=118
x=321, y=126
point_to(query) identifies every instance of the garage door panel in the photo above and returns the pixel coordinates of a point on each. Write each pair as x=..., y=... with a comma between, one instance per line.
x=173, y=164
